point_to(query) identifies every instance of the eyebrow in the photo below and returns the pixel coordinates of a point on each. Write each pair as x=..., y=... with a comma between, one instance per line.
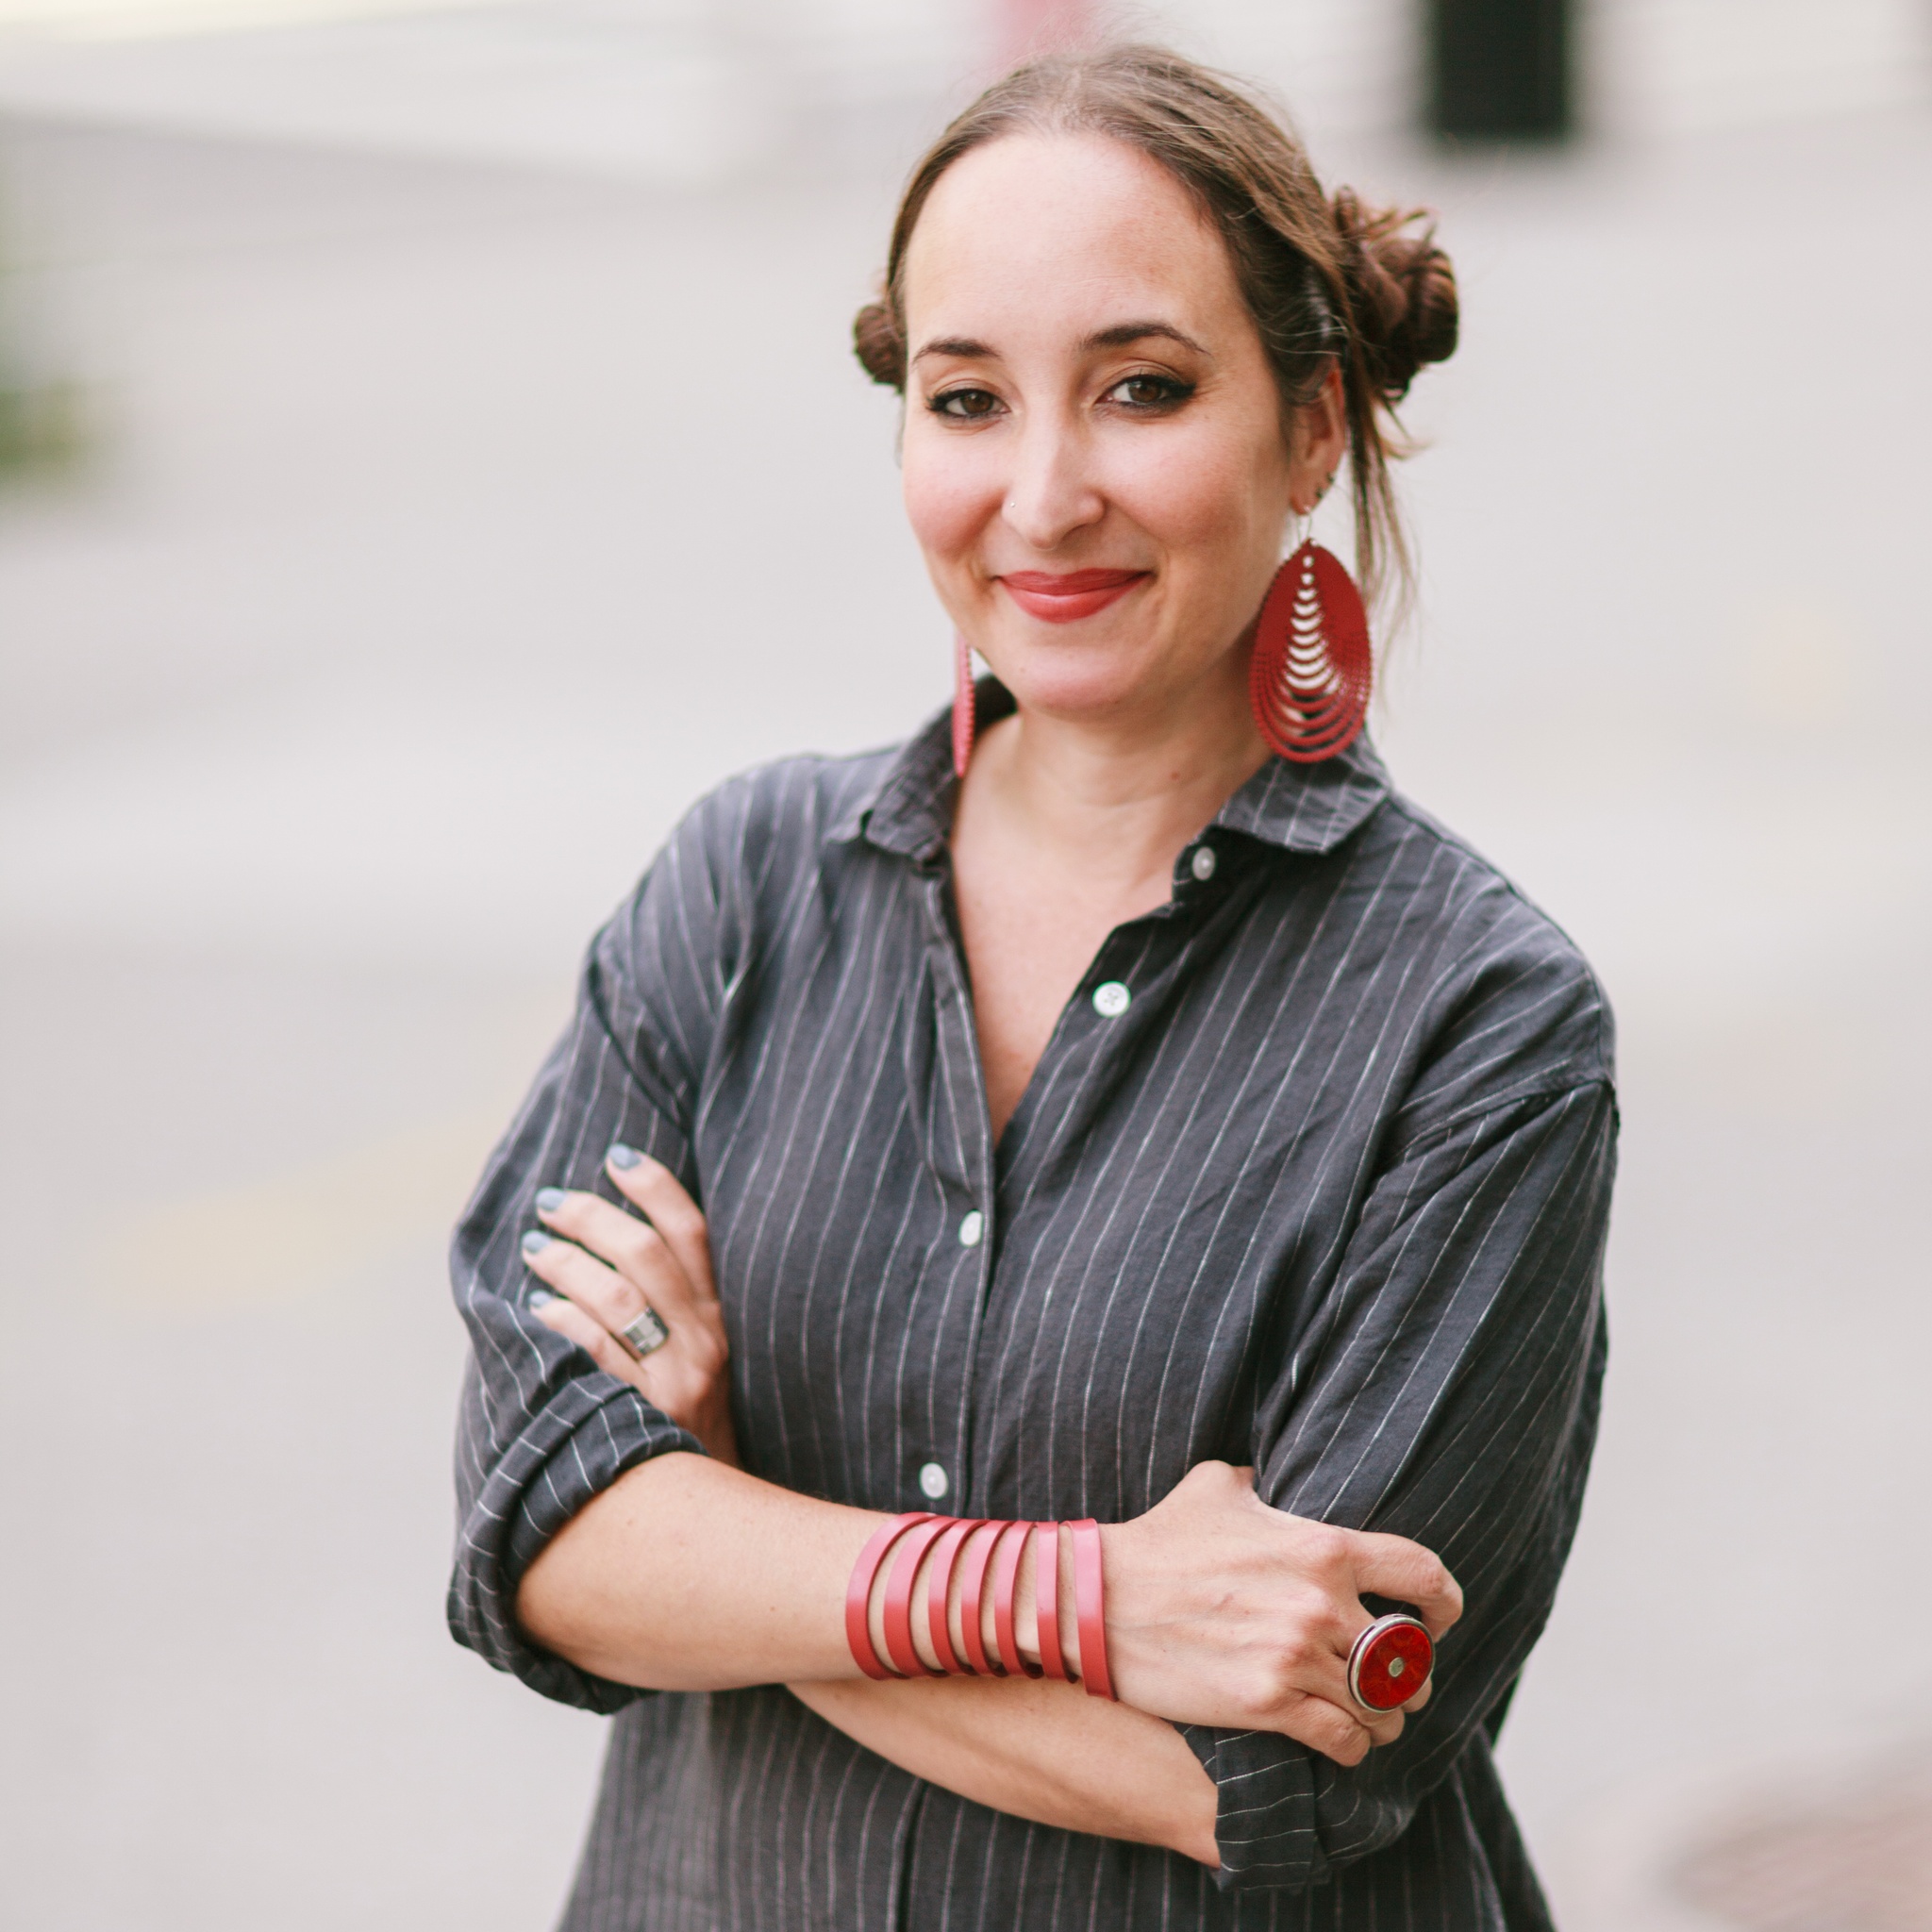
x=1122, y=334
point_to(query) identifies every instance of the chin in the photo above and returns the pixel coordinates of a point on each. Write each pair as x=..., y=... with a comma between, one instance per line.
x=1096, y=687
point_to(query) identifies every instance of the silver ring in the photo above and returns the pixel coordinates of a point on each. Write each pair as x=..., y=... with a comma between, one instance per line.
x=647, y=1333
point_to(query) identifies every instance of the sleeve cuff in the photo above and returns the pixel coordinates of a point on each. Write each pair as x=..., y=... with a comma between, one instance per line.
x=1265, y=1815
x=591, y=1431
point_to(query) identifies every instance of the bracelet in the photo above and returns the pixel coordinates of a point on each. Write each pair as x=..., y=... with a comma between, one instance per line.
x=1090, y=1608
x=859, y=1592
x=1047, y=1601
x=938, y=1591
x=899, y=1582
x=973, y=1600
x=900, y=1549
x=1005, y=1587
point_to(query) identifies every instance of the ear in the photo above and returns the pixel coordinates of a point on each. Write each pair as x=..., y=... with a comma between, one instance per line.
x=1321, y=441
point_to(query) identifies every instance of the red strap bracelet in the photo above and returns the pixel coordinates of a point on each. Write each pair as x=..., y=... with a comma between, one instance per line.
x=972, y=1602
x=939, y=1590
x=899, y=1581
x=859, y=1592
x=1006, y=1580
x=1090, y=1608
x=1046, y=1600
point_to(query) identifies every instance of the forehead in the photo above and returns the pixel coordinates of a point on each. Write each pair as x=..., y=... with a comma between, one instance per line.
x=1060, y=227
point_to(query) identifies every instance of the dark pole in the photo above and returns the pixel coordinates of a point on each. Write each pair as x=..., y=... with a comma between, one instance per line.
x=1500, y=69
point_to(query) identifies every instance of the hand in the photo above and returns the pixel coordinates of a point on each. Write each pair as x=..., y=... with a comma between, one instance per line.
x=1223, y=1611
x=613, y=1266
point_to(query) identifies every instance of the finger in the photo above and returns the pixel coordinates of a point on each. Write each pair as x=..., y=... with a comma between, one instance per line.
x=596, y=1341
x=1384, y=1726
x=669, y=1208
x=1392, y=1565
x=1336, y=1733
x=598, y=1289
x=640, y=1268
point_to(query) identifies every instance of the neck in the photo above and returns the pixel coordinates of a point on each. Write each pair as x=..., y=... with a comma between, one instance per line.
x=1117, y=798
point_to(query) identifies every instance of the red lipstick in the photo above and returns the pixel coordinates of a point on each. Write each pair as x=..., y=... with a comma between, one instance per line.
x=1066, y=596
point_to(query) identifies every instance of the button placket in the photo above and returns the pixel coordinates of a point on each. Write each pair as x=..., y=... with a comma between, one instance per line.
x=958, y=1066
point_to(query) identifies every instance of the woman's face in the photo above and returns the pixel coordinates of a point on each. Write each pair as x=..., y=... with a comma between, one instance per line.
x=1094, y=462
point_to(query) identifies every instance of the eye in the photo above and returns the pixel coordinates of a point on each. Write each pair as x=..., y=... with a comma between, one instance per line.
x=965, y=405
x=1147, y=392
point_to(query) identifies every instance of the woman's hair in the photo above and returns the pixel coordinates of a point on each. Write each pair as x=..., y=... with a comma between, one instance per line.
x=1325, y=278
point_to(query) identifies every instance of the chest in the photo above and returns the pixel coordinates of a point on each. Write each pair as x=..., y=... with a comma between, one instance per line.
x=1062, y=1322
x=1028, y=930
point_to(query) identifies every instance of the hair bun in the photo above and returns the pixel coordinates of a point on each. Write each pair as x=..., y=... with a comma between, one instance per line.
x=1402, y=287
x=876, y=343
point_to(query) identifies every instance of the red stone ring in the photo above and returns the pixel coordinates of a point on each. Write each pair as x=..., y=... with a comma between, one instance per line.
x=1390, y=1661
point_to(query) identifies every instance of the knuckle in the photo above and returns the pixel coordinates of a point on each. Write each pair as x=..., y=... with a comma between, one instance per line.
x=642, y=1245
x=681, y=1219
x=1296, y=1654
x=1327, y=1547
x=1259, y=1700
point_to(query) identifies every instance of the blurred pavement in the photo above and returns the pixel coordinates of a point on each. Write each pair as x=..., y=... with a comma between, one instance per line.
x=451, y=526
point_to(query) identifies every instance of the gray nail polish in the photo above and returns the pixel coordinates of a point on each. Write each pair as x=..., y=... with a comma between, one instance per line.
x=549, y=1200
x=622, y=1157
x=536, y=1241
x=541, y=1298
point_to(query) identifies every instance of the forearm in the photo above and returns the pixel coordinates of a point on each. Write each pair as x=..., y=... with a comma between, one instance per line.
x=1036, y=1750
x=687, y=1575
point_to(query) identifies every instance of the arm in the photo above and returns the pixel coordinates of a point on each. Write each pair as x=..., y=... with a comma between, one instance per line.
x=1047, y=1752
x=1446, y=1390
x=686, y=1574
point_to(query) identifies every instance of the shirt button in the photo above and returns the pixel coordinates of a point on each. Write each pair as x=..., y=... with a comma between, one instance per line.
x=970, y=1231
x=933, y=1481
x=1111, y=1000
x=1202, y=864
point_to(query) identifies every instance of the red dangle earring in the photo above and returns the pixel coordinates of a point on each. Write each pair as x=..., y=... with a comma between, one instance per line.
x=964, y=709
x=1311, y=673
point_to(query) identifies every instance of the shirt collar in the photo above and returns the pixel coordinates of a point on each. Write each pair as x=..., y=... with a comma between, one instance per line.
x=1299, y=808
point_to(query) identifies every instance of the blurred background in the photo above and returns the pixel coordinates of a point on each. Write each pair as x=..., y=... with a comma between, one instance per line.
x=431, y=453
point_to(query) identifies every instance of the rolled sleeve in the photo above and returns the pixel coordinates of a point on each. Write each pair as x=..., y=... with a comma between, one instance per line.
x=1446, y=1390
x=542, y=1429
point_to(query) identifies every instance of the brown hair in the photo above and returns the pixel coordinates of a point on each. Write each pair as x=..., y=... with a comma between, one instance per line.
x=1326, y=279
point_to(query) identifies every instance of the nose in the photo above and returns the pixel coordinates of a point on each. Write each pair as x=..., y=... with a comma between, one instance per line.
x=1052, y=490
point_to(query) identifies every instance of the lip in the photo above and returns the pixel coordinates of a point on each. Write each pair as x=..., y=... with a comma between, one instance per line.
x=1066, y=596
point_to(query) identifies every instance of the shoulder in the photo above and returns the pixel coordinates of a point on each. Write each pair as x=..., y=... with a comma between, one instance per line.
x=743, y=851
x=794, y=802
x=767, y=820
x=1515, y=1007
x=734, y=867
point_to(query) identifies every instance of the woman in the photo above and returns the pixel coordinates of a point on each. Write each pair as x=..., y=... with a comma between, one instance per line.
x=1163, y=1124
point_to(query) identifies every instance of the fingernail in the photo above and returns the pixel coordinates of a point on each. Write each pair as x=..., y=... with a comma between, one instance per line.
x=536, y=1241
x=622, y=1157
x=549, y=1200
x=541, y=1297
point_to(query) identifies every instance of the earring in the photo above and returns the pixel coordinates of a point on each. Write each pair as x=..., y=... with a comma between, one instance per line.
x=1309, y=678
x=965, y=709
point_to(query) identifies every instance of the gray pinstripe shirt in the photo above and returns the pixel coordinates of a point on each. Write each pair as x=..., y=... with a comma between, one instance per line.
x=1327, y=1194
